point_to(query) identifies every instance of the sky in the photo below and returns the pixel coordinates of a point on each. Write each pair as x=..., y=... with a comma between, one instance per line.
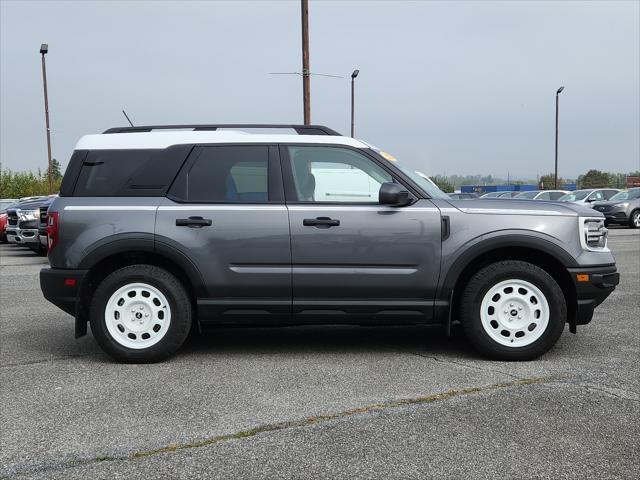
x=448, y=87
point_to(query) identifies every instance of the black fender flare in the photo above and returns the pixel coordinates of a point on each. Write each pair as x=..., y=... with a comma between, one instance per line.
x=148, y=243
x=501, y=240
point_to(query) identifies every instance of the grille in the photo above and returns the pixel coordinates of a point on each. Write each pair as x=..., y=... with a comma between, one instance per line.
x=595, y=234
x=43, y=215
x=12, y=217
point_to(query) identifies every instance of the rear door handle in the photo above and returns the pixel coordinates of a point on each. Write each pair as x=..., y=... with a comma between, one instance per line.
x=321, y=222
x=193, y=222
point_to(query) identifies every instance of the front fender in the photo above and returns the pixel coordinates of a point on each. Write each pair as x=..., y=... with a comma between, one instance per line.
x=455, y=261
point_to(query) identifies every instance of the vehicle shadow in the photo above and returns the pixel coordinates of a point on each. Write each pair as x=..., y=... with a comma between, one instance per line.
x=331, y=339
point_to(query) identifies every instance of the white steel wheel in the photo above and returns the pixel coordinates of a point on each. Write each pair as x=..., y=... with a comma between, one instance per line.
x=137, y=315
x=514, y=313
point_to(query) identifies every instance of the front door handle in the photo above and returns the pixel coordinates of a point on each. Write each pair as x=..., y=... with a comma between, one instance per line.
x=193, y=222
x=321, y=222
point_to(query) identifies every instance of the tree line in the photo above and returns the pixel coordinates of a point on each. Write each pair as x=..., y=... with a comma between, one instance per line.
x=29, y=184
x=590, y=179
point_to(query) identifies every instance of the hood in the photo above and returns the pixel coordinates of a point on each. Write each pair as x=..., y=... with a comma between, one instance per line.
x=523, y=207
x=30, y=204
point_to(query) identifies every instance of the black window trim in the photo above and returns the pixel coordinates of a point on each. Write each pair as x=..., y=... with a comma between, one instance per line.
x=289, y=183
x=275, y=187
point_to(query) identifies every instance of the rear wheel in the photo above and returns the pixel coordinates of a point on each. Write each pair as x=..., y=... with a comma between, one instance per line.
x=140, y=314
x=513, y=310
x=634, y=219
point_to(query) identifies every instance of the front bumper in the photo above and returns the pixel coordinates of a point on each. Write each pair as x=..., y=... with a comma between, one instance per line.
x=43, y=236
x=593, y=285
x=22, y=235
x=616, y=216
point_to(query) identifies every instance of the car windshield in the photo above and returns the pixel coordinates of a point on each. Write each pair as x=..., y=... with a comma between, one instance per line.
x=573, y=196
x=626, y=195
x=418, y=177
x=527, y=194
x=491, y=195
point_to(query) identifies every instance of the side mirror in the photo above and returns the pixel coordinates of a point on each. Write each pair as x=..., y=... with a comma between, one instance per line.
x=394, y=195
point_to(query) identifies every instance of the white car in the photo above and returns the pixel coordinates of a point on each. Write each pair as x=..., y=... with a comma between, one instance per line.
x=588, y=196
x=541, y=195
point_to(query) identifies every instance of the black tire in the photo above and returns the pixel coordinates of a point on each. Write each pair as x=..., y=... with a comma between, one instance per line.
x=174, y=292
x=490, y=276
x=634, y=219
x=37, y=249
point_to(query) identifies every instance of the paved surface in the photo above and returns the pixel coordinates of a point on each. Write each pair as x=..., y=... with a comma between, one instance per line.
x=330, y=402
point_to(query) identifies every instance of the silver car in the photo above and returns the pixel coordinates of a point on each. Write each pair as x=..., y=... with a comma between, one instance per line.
x=541, y=195
x=588, y=196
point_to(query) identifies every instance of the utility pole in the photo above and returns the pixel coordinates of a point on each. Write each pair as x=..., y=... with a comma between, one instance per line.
x=44, y=48
x=556, y=171
x=306, y=84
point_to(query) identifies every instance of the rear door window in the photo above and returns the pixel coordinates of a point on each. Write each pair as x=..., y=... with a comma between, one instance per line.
x=226, y=174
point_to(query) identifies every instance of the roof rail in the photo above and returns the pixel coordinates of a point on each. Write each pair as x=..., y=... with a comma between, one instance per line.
x=300, y=129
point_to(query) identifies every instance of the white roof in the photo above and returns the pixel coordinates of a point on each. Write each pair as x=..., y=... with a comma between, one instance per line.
x=164, y=139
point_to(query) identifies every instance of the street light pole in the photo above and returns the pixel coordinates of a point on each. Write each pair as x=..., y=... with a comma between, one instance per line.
x=556, y=171
x=353, y=81
x=306, y=84
x=44, y=48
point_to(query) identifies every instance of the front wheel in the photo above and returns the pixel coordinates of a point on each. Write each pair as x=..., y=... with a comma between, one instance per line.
x=634, y=219
x=513, y=310
x=140, y=314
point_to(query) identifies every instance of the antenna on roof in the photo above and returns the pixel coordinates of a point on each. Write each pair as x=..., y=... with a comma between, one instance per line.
x=127, y=117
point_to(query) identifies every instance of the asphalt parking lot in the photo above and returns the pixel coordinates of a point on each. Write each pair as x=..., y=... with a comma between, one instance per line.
x=317, y=402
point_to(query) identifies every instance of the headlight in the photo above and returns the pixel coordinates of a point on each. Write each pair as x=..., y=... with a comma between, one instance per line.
x=29, y=215
x=593, y=234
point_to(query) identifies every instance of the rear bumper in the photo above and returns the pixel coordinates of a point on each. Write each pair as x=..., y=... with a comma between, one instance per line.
x=592, y=292
x=62, y=287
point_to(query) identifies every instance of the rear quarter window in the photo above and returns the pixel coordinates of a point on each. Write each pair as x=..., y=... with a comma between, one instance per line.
x=122, y=173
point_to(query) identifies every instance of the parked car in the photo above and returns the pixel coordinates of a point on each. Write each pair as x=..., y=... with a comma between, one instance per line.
x=5, y=203
x=588, y=196
x=508, y=194
x=541, y=195
x=623, y=208
x=463, y=196
x=157, y=231
x=42, y=225
x=23, y=219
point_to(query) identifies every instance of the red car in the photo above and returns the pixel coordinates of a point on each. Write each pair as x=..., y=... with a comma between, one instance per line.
x=4, y=205
x=3, y=227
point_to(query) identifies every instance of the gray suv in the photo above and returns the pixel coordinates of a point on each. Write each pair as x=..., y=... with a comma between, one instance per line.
x=159, y=231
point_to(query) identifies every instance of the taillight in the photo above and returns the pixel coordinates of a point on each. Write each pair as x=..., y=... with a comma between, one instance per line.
x=52, y=229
